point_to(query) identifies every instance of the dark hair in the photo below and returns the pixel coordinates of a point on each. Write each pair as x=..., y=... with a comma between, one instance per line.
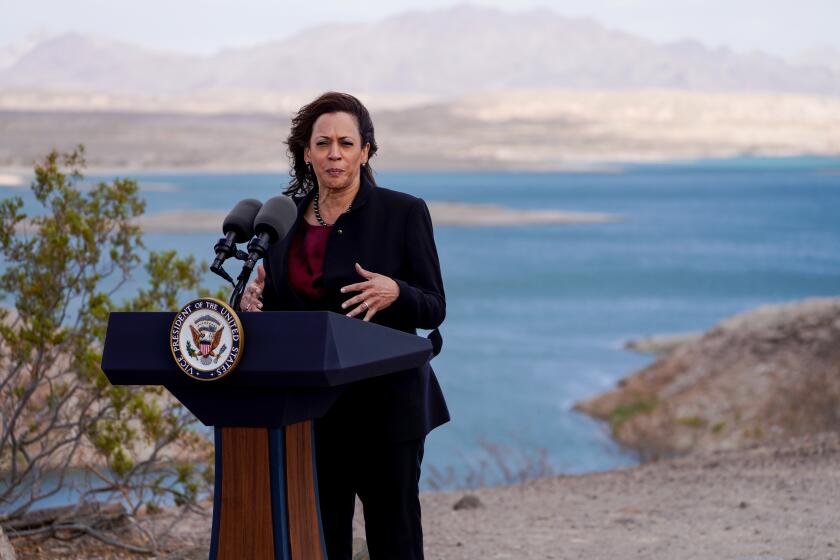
x=303, y=179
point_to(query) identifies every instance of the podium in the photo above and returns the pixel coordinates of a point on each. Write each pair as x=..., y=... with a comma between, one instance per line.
x=293, y=368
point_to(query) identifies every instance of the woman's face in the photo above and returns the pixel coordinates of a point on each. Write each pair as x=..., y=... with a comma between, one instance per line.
x=336, y=151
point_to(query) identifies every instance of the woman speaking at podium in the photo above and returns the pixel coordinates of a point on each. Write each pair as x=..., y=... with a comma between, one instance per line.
x=369, y=252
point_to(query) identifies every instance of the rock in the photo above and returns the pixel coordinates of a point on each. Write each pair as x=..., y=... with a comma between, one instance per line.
x=468, y=501
x=661, y=343
x=761, y=376
x=6, y=550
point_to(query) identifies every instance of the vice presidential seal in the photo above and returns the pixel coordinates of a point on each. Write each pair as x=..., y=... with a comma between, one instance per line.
x=206, y=339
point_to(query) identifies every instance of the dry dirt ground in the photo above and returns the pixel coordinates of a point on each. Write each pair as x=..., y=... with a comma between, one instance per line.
x=767, y=503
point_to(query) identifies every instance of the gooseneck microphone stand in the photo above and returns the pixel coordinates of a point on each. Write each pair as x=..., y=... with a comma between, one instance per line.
x=225, y=248
x=238, y=227
x=257, y=249
x=228, y=247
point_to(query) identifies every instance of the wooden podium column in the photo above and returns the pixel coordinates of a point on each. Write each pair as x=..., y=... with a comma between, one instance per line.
x=305, y=537
x=245, y=521
x=266, y=501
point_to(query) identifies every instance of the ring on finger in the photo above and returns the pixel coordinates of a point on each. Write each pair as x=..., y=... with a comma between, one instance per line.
x=366, y=305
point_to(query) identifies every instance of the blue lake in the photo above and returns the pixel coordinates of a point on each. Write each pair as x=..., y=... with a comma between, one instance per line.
x=537, y=315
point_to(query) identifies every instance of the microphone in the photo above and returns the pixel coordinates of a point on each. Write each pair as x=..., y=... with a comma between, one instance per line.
x=238, y=227
x=272, y=223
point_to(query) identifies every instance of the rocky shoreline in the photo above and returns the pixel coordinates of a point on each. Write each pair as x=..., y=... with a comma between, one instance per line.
x=761, y=376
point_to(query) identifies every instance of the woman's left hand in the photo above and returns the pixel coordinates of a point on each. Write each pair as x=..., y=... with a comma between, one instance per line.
x=377, y=292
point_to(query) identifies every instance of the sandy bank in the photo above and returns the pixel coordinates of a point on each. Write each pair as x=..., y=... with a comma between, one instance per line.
x=443, y=214
x=13, y=180
x=456, y=214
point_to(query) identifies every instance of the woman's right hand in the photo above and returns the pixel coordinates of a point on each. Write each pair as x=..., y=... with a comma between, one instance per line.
x=252, y=298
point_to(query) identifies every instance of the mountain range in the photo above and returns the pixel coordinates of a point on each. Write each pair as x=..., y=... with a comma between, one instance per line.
x=441, y=53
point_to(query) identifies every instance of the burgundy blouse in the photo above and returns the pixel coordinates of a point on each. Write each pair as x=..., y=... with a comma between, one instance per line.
x=306, y=260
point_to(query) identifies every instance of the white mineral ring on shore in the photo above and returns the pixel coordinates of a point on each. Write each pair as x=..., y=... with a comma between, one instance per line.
x=443, y=214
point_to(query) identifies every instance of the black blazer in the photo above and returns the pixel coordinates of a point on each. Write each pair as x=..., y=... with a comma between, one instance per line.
x=389, y=233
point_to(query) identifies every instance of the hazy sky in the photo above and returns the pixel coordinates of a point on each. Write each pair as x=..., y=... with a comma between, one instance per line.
x=778, y=26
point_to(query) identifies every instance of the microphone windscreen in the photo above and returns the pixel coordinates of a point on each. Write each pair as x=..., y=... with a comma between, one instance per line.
x=240, y=220
x=276, y=217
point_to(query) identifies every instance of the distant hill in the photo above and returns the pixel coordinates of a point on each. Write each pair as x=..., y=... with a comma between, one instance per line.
x=824, y=57
x=523, y=129
x=443, y=53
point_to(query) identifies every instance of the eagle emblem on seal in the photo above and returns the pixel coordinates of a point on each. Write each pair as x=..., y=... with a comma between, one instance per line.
x=206, y=339
x=207, y=334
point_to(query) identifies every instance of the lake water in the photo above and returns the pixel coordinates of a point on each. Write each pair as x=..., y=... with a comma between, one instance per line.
x=537, y=315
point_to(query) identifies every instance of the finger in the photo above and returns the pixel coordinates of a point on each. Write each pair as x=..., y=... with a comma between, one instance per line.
x=259, y=282
x=370, y=313
x=361, y=308
x=364, y=273
x=358, y=287
x=356, y=310
x=359, y=298
x=250, y=304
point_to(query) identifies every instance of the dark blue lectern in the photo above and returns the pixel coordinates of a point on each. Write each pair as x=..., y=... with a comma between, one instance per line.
x=293, y=368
